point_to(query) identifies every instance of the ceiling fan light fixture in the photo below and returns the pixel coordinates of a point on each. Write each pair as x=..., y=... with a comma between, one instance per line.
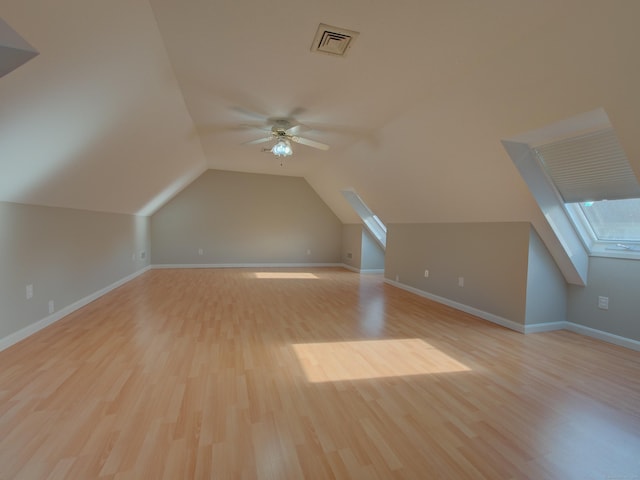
x=282, y=148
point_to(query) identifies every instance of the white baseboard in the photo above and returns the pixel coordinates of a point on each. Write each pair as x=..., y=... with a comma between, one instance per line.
x=460, y=306
x=535, y=328
x=29, y=330
x=604, y=336
x=246, y=265
x=365, y=271
x=545, y=327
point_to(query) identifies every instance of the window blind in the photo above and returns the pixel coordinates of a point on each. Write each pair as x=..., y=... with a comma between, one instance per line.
x=589, y=167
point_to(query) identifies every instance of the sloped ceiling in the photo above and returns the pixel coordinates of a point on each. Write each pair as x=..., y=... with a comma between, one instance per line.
x=128, y=101
x=97, y=120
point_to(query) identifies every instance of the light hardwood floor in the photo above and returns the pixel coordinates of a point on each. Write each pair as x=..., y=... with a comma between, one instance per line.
x=319, y=373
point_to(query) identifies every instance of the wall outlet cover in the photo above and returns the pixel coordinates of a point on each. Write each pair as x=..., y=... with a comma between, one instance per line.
x=603, y=303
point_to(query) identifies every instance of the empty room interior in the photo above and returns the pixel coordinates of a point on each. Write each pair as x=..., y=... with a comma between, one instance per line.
x=350, y=240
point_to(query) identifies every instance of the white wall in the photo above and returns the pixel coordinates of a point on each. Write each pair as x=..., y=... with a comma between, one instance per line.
x=245, y=218
x=65, y=254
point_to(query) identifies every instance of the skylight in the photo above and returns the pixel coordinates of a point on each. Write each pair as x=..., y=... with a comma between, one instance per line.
x=612, y=225
x=370, y=220
x=579, y=174
x=599, y=190
x=616, y=220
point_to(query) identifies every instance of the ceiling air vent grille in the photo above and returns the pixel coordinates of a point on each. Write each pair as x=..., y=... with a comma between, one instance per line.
x=333, y=40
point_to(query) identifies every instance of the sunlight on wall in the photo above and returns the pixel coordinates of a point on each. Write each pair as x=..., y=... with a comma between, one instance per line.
x=339, y=361
x=171, y=190
x=287, y=275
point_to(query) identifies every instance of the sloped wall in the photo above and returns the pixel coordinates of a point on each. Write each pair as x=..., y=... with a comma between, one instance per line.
x=245, y=218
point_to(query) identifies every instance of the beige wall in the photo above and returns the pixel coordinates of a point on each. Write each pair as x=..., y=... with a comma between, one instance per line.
x=617, y=279
x=245, y=218
x=65, y=254
x=352, y=244
x=492, y=258
x=359, y=249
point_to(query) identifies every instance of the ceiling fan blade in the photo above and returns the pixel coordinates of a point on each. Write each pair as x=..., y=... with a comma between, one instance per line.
x=299, y=128
x=309, y=143
x=249, y=126
x=220, y=129
x=259, y=140
x=296, y=111
x=249, y=113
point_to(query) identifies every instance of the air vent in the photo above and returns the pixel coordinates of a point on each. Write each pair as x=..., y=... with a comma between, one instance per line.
x=333, y=40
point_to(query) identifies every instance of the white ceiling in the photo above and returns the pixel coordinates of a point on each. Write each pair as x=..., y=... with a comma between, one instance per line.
x=129, y=101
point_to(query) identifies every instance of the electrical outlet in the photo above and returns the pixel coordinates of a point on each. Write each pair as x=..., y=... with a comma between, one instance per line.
x=200, y=251
x=603, y=303
x=143, y=255
x=308, y=252
x=426, y=274
x=29, y=292
x=51, y=307
x=397, y=278
x=461, y=281
x=349, y=255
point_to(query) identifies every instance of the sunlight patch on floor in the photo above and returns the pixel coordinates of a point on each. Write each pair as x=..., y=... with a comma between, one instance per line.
x=339, y=361
x=286, y=275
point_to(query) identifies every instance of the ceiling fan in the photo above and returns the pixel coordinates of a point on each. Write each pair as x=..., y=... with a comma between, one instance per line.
x=282, y=132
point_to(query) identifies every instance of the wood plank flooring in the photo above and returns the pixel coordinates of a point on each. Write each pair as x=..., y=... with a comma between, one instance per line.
x=319, y=374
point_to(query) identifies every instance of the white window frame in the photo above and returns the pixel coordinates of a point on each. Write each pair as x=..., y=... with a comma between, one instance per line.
x=595, y=246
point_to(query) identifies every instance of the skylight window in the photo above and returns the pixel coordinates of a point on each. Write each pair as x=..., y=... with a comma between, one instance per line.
x=612, y=225
x=599, y=190
x=579, y=174
x=371, y=221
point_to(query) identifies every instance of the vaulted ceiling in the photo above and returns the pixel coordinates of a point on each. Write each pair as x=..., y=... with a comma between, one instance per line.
x=129, y=101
